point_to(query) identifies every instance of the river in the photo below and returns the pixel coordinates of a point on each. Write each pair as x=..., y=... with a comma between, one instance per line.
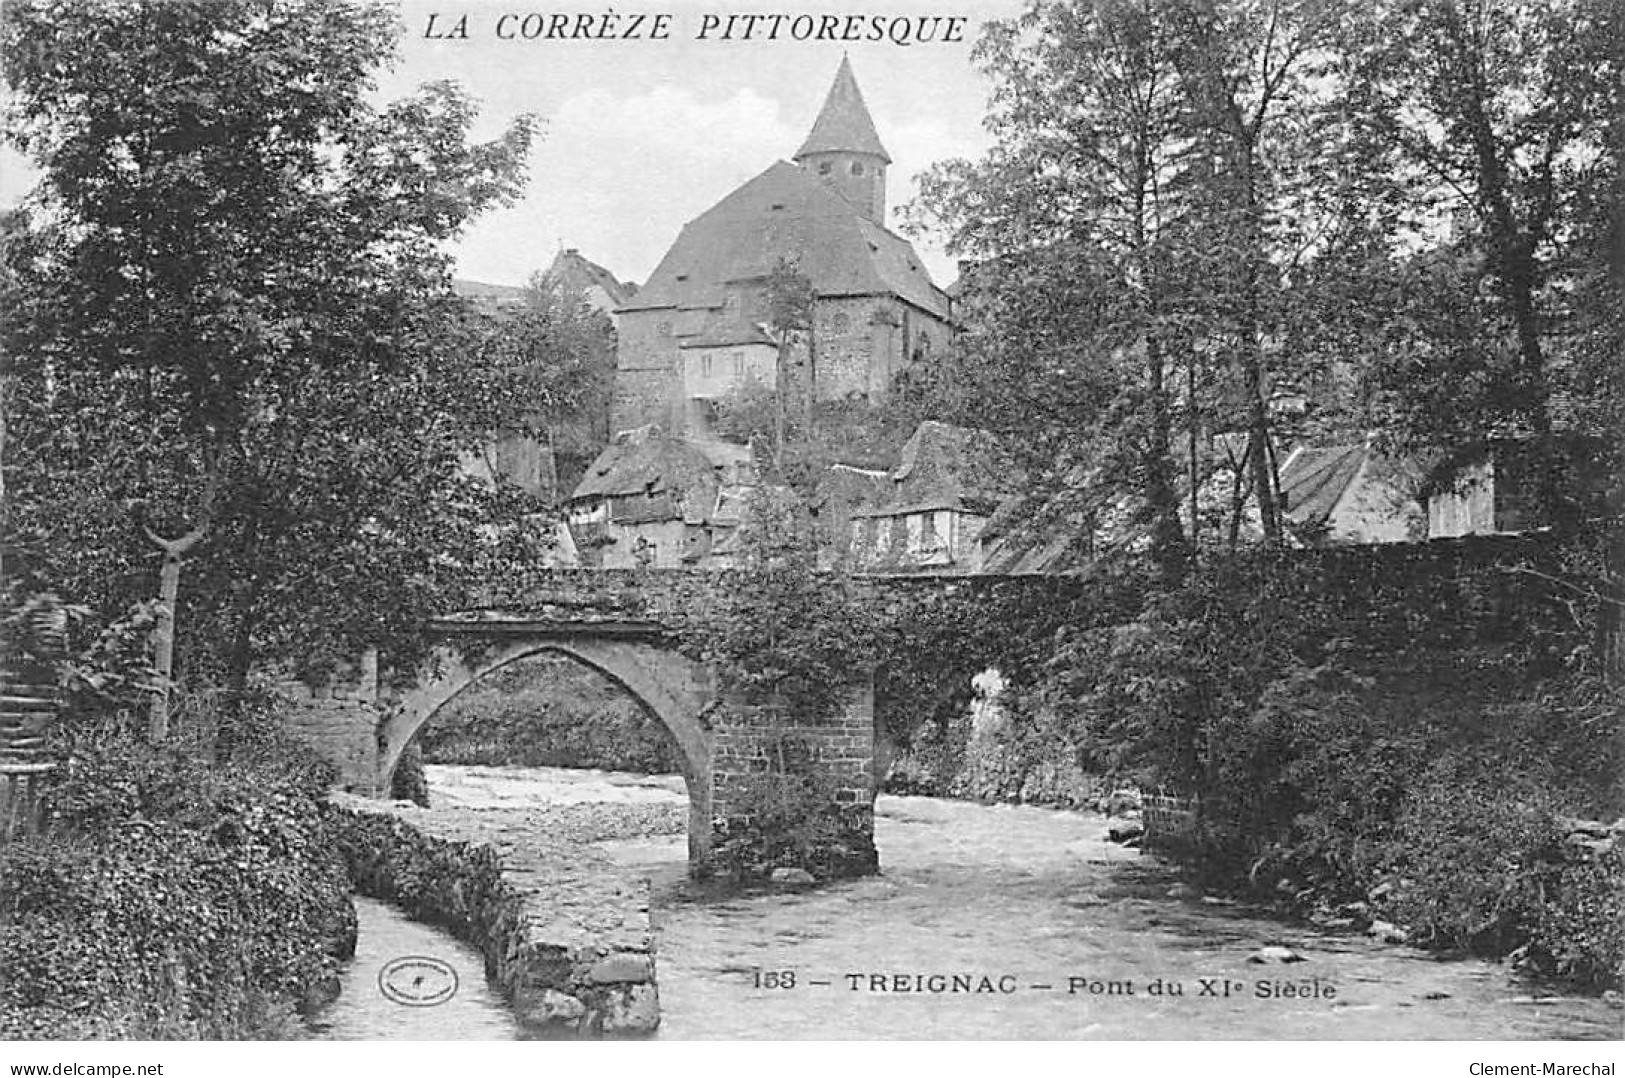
x=1000, y=922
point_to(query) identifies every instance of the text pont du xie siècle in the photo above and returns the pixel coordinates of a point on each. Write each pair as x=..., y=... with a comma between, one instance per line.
x=611, y=25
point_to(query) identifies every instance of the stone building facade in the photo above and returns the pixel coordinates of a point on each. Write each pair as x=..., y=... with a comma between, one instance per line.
x=701, y=326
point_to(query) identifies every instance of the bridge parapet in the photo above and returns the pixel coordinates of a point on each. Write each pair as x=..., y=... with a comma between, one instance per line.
x=661, y=596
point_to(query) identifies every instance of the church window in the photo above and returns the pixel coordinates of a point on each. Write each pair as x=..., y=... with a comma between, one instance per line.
x=705, y=365
x=738, y=363
x=857, y=168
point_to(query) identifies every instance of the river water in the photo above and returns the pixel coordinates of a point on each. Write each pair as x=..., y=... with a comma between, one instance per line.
x=364, y=1011
x=1001, y=922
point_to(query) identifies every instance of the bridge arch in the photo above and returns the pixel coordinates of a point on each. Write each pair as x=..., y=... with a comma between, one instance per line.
x=674, y=689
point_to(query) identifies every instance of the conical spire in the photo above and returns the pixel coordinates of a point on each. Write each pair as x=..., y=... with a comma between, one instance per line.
x=843, y=124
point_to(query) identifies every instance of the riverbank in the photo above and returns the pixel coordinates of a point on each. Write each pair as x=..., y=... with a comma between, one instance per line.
x=565, y=933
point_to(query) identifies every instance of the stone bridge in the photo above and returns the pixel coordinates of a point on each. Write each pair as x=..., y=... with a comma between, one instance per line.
x=618, y=623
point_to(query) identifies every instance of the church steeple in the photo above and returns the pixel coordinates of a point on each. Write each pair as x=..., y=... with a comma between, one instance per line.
x=844, y=149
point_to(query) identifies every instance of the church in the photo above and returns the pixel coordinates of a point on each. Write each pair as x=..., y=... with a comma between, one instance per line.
x=699, y=329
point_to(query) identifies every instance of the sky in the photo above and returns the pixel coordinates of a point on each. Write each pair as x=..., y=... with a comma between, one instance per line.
x=641, y=136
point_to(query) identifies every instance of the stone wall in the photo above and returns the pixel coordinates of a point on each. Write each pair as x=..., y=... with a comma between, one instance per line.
x=575, y=959
x=338, y=717
x=861, y=342
x=645, y=369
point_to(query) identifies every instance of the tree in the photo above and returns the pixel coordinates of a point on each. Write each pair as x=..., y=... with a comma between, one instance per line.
x=550, y=367
x=1499, y=118
x=1248, y=69
x=1075, y=300
x=790, y=299
x=235, y=281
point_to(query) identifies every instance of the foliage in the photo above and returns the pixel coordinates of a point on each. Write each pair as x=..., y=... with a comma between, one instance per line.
x=457, y=885
x=172, y=900
x=1495, y=115
x=549, y=373
x=777, y=627
x=786, y=816
x=1399, y=212
x=233, y=279
x=549, y=712
x=854, y=432
x=1416, y=717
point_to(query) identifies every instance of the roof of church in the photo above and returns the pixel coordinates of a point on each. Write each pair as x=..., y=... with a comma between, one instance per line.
x=787, y=213
x=843, y=124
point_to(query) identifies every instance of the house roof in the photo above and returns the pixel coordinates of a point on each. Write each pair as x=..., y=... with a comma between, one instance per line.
x=499, y=295
x=1044, y=542
x=647, y=462
x=1313, y=481
x=943, y=466
x=843, y=124
x=572, y=270
x=1051, y=531
x=786, y=213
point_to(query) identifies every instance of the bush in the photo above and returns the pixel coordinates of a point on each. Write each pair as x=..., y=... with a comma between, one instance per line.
x=173, y=900
x=787, y=817
x=1418, y=717
x=1483, y=866
x=549, y=712
x=1579, y=931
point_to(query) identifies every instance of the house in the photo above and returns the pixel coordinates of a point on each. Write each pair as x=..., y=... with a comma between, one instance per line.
x=935, y=503
x=700, y=327
x=1505, y=487
x=843, y=490
x=575, y=275
x=1349, y=494
x=654, y=501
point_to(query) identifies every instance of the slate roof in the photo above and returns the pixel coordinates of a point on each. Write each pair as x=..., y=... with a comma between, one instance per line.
x=787, y=213
x=843, y=124
x=1030, y=534
x=947, y=467
x=1313, y=481
x=1051, y=531
x=648, y=463
x=1316, y=481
